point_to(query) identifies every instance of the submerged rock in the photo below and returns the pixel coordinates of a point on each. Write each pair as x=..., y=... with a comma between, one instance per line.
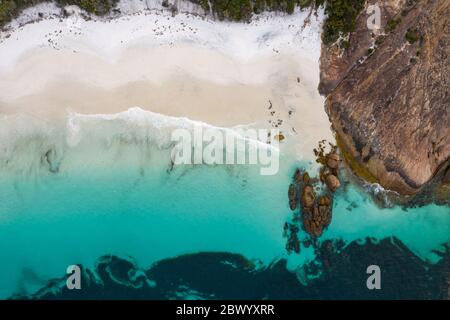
x=311, y=225
x=293, y=243
x=316, y=219
x=292, y=194
x=308, y=197
x=285, y=229
x=298, y=176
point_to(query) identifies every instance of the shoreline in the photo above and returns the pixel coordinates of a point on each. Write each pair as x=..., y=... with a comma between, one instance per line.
x=263, y=74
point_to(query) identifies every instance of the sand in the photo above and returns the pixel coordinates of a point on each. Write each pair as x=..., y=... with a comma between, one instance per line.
x=263, y=74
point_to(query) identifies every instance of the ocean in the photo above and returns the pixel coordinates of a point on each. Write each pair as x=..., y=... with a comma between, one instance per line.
x=101, y=190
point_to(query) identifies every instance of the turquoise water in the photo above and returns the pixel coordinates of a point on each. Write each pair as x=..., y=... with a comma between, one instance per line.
x=60, y=221
x=119, y=197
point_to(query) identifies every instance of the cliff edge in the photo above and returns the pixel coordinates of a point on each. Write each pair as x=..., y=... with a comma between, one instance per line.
x=387, y=94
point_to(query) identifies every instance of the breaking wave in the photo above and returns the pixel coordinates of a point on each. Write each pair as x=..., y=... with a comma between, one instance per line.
x=30, y=144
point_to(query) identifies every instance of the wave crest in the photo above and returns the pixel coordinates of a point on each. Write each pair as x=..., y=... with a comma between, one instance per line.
x=135, y=136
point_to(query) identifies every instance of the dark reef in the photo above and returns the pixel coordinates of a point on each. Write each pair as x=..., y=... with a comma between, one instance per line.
x=339, y=272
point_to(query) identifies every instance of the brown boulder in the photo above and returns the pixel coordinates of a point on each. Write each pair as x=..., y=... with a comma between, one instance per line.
x=324, y=201
x=325, y=210
x=324, y=172
x=333, y=160
x=279, y=137
x=308, y=197
x=332, y=182
x=316, y=219
x=306, y=177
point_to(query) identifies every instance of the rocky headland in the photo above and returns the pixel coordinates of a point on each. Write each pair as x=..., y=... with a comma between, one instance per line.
x=387, y=97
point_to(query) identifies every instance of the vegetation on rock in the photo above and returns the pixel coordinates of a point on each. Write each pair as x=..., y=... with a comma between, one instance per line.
x=354, y=164
x=412, y=35
x=9, y=9
x=341, y=18
x=393, y=23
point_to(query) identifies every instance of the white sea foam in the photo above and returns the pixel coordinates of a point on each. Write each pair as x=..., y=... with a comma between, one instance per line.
x=28, y=142
x=143, y=124
x=380, y=193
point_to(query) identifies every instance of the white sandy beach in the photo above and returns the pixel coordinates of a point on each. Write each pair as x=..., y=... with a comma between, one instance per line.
x=224, y=74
